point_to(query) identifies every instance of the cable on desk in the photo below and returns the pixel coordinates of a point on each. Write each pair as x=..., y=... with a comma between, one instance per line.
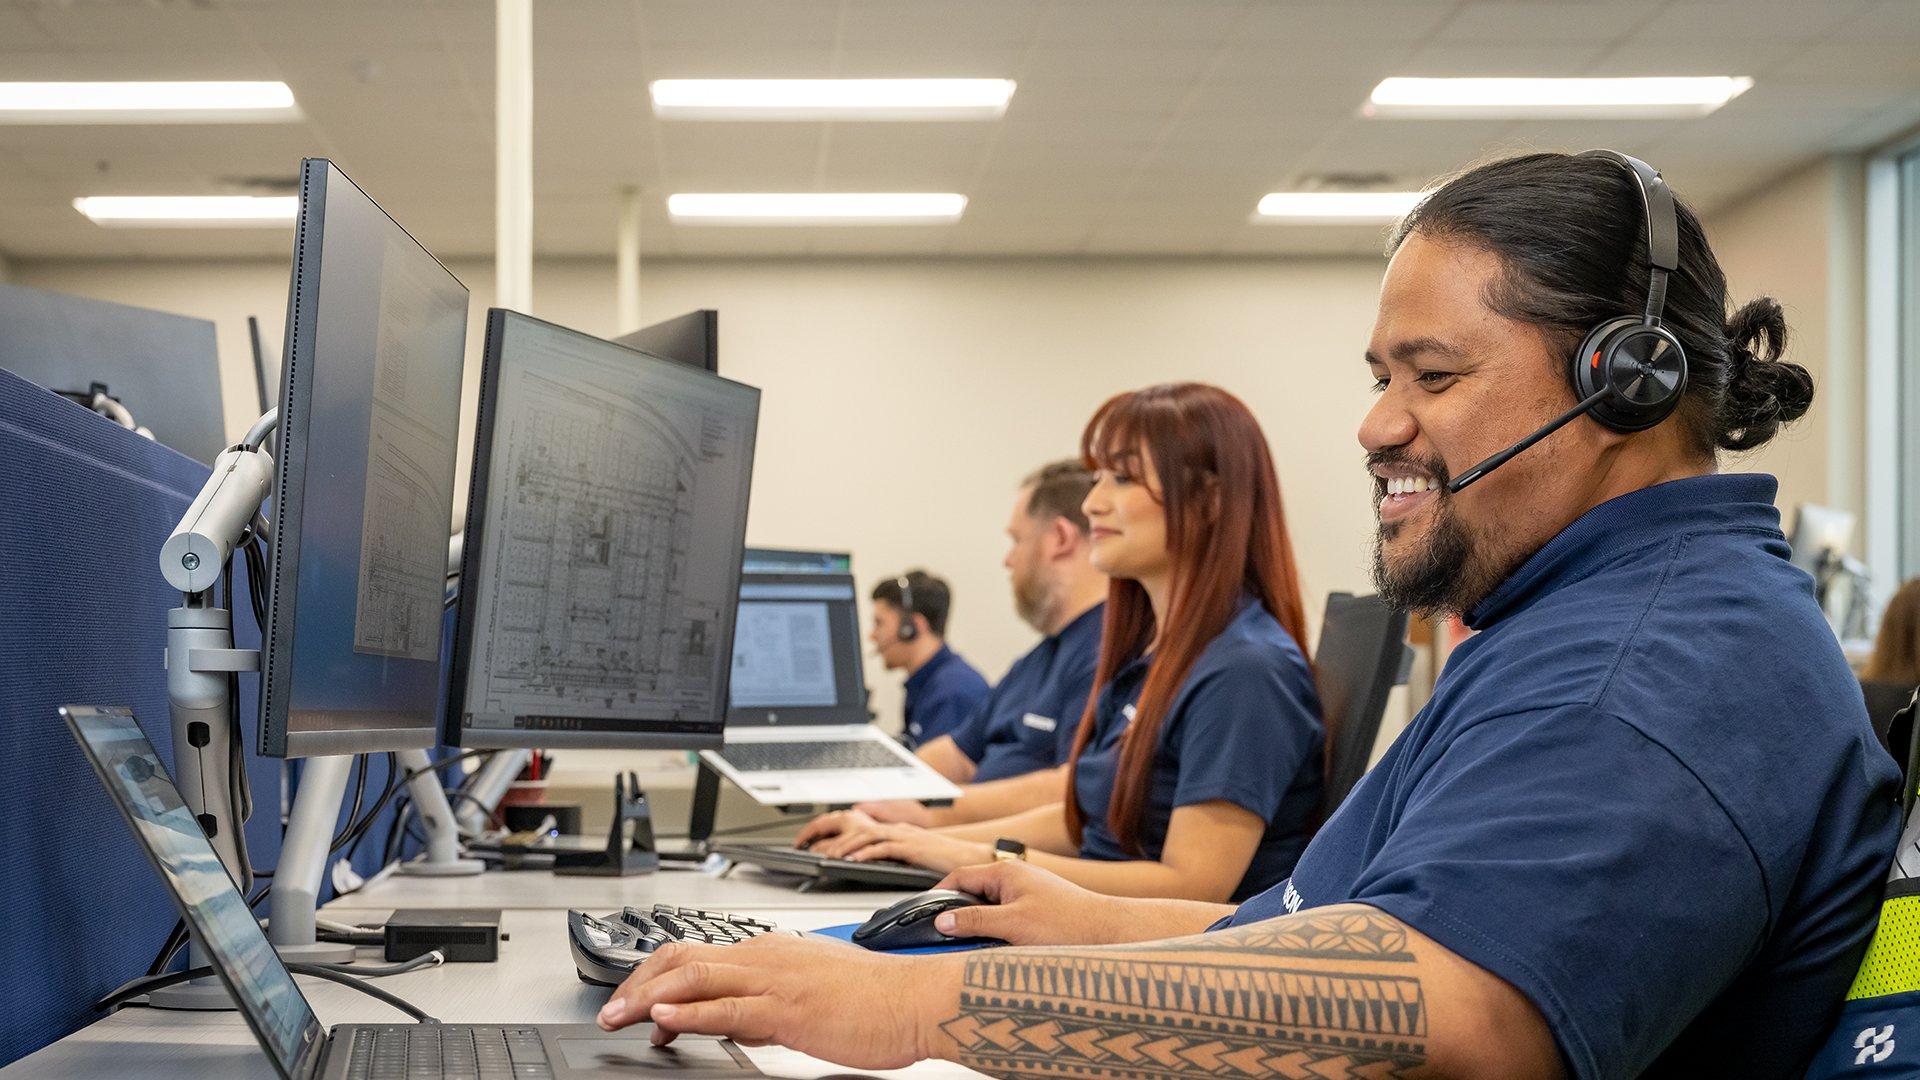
x=319, y=971
x=433, y=958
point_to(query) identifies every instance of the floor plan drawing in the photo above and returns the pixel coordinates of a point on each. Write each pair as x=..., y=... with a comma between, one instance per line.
x=592, y=530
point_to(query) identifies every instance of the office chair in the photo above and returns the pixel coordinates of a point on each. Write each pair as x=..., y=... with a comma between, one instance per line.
x=1885, y=702
x=1362, y=656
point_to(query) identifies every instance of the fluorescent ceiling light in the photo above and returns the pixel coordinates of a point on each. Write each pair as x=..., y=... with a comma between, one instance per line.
x=189, y=211
x=1336, y=207
x=1635, y=98
x=830, y=99
x=882, y=208
x=144, y=102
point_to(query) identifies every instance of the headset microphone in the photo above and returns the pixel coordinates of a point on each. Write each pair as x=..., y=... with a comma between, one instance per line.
x=1631, y=371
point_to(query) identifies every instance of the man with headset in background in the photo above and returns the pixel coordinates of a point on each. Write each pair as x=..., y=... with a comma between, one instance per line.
x=909, y=632
x=1011, y=754
x=1642, y=825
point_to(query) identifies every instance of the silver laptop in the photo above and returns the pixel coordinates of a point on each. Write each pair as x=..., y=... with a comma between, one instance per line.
x=294, y=1039
x=798, y=729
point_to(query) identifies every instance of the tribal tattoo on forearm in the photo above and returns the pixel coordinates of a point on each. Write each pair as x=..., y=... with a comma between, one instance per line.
x=1231, y=1004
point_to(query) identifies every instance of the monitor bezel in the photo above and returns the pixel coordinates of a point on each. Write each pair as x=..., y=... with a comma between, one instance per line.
x=288, y=496
x=454, y=731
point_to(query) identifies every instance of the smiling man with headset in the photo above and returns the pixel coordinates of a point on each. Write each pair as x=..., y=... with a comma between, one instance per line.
x=1642, y=825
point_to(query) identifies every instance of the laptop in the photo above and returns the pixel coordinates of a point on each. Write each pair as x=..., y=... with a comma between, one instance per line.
x=798, y=730
x=284, y=1023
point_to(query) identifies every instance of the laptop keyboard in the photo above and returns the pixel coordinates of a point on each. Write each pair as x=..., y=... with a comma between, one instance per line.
x=447, y=1052
x=794, y=756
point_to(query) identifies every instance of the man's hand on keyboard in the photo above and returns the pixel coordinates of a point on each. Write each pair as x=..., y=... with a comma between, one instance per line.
x=820, y=997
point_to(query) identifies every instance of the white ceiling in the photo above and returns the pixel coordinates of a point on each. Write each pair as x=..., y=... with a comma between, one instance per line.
x=1139, y=126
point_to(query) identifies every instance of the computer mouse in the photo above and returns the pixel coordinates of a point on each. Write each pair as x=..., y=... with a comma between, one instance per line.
x=908, y=924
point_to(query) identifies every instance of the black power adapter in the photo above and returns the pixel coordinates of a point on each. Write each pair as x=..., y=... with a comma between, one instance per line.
x=463, y=935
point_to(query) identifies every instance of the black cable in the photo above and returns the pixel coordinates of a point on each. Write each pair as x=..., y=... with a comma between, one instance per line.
x=357, y=829
x=319, y=971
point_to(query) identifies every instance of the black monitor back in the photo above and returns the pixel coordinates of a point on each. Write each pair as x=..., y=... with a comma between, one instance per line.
x=163, y=368
x=692, y=339
x=1361, y=657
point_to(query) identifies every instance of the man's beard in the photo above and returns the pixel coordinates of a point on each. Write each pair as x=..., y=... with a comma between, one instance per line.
x=1032, y=600
x=1453, y=571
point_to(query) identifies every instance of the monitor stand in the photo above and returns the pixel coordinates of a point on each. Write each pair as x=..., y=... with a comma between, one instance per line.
x=442, y=858
x=303, y=864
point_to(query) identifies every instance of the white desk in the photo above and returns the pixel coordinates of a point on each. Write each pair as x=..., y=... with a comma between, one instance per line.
x=533, y=982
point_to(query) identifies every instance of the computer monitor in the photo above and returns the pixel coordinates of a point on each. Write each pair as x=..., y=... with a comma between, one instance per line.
x=605, y=522
x=362, y=503
x=796, y=645
x=692, y=339
x=1820, y=537
x=163, y=368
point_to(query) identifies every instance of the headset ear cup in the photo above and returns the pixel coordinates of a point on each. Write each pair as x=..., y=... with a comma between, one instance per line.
x=1643, y=366
x=908, y=630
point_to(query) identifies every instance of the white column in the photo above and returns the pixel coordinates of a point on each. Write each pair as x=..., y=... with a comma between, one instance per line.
x=513, y=150
x=626, y=263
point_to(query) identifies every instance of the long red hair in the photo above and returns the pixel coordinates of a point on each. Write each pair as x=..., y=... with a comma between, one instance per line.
x=1226, y=536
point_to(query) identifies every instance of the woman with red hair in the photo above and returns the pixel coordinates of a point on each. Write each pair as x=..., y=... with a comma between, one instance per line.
x=1197, y=769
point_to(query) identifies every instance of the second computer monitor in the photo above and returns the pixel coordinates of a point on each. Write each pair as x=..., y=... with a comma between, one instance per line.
x=796, y=646
x=605, y=524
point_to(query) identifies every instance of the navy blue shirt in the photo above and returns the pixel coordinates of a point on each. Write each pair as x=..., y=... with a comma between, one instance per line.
x=940, y=695
x=1646, y=794
x=1244, y=728
x=1028, y=722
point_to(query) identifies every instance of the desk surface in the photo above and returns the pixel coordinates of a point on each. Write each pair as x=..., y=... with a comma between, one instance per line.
x=534, y=981
x=746, y=887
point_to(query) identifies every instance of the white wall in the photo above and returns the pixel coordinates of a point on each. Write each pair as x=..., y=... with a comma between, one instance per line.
x=904, y=399
x=1800, y=240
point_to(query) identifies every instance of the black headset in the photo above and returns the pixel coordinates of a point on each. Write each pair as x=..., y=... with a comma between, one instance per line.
x=908, y=630
x=1630, y=371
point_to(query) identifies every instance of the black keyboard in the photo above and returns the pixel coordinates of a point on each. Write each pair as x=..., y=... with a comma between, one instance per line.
x=606, y=949
x=447, y=1052
x=794, y=756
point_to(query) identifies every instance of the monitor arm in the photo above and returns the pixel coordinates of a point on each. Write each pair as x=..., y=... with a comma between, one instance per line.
x=209, y=761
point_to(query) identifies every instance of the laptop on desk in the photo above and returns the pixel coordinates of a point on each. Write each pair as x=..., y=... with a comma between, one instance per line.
x=278, y=1013
x=798, y=730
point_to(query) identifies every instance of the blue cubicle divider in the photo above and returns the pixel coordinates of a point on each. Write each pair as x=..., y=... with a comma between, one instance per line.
x=84, y=507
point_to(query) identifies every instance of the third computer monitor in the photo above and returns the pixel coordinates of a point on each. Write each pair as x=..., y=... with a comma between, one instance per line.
x=796, y=646
x=363, y=498
x=605, y=525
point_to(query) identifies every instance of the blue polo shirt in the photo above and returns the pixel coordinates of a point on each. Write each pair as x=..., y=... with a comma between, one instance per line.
x=1646, y=794
x=1244, y=727
x=1028, y=722
x=944, y=692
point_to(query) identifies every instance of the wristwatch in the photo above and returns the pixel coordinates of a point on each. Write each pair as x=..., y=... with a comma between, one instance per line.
x=1007, y=850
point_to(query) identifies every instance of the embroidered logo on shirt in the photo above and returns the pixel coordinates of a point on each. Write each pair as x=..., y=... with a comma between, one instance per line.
x=1042, y=723
x=1875, y=1045
x=1290, y=896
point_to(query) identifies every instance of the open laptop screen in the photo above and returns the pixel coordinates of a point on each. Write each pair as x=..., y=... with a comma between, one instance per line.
x=796, y=652
x=214, y=909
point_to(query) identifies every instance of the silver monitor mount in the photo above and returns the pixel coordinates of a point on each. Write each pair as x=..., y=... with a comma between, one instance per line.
x=209, y=757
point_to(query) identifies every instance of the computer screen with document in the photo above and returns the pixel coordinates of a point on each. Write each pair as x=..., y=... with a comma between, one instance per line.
x=796, y=642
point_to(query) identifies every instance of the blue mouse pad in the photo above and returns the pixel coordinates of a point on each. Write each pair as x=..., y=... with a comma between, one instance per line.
x=845, y=933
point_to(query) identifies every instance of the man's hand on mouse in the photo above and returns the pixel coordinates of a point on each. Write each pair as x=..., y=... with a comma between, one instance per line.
x=821, y=997
x=1028, y=906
